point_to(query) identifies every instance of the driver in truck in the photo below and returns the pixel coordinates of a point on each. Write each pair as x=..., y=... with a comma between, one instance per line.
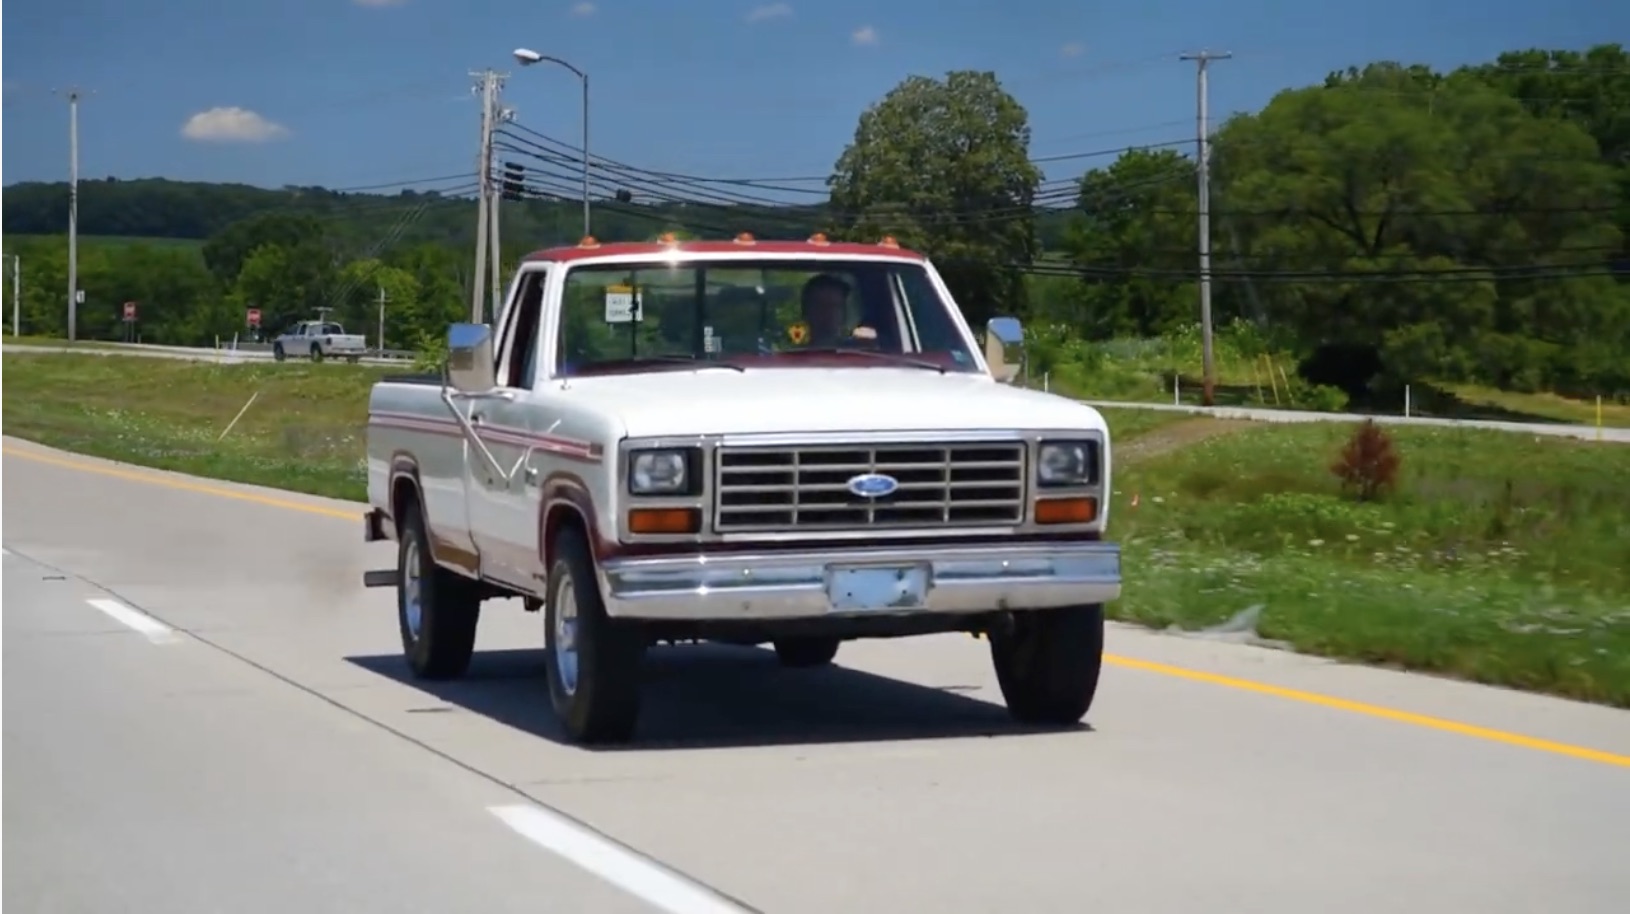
x=825, y=305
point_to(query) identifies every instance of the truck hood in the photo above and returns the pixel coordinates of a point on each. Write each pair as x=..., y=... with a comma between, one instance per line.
x=795, y=400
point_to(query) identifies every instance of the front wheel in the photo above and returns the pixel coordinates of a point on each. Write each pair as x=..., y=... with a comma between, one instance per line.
x=592, y=661
x=437, y=610
x=1047, y=664
x=278, y=353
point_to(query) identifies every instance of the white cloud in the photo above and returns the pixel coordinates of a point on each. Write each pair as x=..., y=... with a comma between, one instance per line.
x=769, y=11
x=1072, y=49
x=583, y=9
x=865, y=35
x=231, y=125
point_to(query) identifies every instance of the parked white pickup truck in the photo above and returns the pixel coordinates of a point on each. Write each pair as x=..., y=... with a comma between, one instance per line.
x=319, y=339
x=794, y=443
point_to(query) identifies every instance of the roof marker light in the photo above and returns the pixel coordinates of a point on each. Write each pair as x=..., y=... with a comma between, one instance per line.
x=745, y=238
x=668, y=238
x=819, y=238
x=588, y=242
x=888, y=242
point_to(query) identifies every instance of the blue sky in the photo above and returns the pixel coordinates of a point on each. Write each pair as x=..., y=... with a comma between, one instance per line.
x=373, y=91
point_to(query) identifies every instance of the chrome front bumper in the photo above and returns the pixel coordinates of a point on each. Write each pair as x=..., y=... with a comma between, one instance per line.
x=941, y=579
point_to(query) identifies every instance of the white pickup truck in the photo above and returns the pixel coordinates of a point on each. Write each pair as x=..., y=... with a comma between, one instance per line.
x=319, y=339
x=793, y=443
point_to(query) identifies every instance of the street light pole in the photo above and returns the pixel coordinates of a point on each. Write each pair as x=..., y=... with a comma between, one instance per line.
x=528, y=58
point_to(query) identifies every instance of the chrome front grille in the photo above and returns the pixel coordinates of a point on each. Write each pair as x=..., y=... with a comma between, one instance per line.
x=768, y=489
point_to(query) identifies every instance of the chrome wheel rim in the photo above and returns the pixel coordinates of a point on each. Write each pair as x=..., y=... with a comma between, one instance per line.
x=412, y=605
x=565, y=635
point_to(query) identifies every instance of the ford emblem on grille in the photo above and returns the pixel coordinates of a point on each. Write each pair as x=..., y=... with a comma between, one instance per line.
x=873, y=485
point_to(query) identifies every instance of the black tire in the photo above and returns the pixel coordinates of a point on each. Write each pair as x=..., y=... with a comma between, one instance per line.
x=316, y=352
x=449, y=606
x=278, y=353
x=806, y=652
x=1048, y=664
x=598, y=701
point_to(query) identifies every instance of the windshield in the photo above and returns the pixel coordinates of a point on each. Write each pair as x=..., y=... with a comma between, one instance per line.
x=752, y=313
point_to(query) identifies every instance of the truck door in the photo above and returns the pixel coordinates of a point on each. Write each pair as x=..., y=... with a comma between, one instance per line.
x=504, y=510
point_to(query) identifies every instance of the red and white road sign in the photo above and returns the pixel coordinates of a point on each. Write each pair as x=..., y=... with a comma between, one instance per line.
x=130, y=310
x=253, y=316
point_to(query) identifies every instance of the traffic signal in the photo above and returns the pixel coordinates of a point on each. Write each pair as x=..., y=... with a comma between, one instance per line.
x=514, y=184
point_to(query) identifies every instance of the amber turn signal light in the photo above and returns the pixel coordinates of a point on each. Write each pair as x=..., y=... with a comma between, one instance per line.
x=1066, y=510
x=650, y=521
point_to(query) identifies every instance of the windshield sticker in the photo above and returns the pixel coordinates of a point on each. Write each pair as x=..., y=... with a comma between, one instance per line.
x=710, y=343
x=620, y=305
x=798, y=333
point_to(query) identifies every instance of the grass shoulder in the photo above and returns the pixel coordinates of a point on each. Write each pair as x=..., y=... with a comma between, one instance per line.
x=1499, y=558
x=305, y=430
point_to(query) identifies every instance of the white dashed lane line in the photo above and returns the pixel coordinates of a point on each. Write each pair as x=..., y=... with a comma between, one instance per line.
x=136, y=620
x=623, y=867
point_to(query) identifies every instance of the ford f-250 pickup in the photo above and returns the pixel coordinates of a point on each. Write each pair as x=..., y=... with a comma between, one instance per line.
x=793, y=443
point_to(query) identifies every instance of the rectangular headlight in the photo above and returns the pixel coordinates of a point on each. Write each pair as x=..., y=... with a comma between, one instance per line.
x=667, y=471
x=1066, y=463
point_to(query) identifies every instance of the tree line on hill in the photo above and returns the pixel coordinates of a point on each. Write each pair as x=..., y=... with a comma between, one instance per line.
x=1391, y=223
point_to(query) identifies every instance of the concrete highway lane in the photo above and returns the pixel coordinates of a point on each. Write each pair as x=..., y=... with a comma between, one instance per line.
x=234, y=731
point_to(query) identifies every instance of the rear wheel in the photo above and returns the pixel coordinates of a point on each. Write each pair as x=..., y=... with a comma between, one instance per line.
x=437, y=610
x=592, y=661
x=806, y=652
x=1048, y=663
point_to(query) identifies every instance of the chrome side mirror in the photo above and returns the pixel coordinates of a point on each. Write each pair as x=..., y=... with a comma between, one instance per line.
x=1004, y=347
x=471, y=367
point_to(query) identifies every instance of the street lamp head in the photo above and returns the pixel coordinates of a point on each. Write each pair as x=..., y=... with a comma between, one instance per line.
x=527, y=56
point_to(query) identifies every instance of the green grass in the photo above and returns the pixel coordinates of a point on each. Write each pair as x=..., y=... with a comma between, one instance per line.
x=1501, y=558
x=1250, y=372
x=303, y=432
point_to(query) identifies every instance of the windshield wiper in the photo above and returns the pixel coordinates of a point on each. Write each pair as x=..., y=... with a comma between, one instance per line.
x=687, y=361
x=897, y=358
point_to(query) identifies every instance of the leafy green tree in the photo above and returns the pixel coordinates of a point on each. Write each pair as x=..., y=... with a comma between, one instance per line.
x=1407, y=213
x=1134, y=235
x=285, y=285
x=943, y=166
x=226, y=252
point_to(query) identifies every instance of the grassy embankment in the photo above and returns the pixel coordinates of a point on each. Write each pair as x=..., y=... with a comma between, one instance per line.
x=1501, y=557
x=1250, y=372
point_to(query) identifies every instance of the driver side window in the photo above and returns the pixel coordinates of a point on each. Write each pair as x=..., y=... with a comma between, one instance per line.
x=518, y=363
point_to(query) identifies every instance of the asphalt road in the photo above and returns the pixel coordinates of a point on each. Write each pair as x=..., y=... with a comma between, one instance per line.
x=229, y=729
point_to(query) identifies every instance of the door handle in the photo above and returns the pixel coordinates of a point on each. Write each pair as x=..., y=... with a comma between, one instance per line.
x=475, y=418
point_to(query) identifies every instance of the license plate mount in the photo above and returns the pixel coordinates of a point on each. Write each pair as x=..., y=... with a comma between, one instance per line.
x=877, y=588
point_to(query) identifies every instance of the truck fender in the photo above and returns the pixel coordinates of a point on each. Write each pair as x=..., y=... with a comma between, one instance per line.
x=406, y=487
x=565, y=500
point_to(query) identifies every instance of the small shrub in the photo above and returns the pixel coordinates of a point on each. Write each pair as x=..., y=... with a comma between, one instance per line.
x=1368, y=464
